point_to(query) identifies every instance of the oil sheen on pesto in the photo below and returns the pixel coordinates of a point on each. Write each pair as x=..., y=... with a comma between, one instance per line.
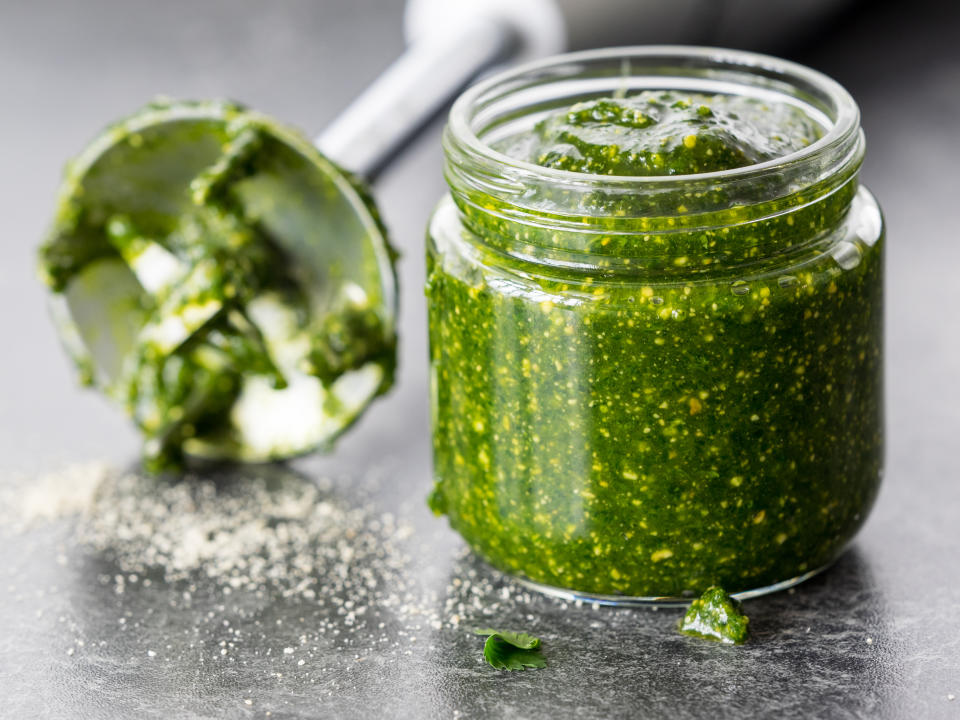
x=707, y=415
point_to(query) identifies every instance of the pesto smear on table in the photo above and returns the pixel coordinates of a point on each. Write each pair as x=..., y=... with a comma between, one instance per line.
x=689, y=404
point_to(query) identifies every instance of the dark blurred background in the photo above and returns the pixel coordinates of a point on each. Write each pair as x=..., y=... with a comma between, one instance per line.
x=67, y=68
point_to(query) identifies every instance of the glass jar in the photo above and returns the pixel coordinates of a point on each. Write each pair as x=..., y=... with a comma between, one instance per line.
x=644, y=386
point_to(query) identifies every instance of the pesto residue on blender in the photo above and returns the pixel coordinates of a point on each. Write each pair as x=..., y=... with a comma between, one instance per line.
x=227, y=284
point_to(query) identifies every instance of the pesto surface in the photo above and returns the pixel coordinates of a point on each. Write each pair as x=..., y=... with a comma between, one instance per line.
x=665, y=133
x=697, y=406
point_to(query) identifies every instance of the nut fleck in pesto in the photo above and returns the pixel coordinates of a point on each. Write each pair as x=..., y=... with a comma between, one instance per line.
x=648, y=390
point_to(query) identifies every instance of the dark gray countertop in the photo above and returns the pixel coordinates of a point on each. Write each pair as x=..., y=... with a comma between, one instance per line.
x=875, y=636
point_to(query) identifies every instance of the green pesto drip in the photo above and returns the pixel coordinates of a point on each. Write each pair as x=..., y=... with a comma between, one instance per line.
x=716, y=616
x=666, y=133
x=693, y=403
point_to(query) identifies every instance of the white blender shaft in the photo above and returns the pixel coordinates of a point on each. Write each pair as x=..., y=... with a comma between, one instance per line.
x=449, y=42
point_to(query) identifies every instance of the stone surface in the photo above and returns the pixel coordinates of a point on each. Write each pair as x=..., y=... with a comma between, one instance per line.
x=875, y=636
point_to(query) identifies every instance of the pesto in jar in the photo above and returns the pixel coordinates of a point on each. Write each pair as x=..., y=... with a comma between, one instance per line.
x=651, y=392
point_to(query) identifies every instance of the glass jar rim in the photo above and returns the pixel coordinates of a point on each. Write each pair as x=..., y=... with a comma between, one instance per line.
x=842, y=135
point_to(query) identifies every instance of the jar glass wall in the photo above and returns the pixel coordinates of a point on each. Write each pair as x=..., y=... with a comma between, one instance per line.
x=644, y=386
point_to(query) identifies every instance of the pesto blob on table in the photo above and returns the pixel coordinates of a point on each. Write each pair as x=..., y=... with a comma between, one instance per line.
x=648, y=393
x=716, y=616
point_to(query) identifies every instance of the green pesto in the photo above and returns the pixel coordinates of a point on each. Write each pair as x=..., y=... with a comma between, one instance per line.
x=666, y=133
x=716, y=616
x=698, y=407
x=208, y=205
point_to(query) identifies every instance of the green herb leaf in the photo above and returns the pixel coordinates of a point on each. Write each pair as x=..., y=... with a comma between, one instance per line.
x=508, y=650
